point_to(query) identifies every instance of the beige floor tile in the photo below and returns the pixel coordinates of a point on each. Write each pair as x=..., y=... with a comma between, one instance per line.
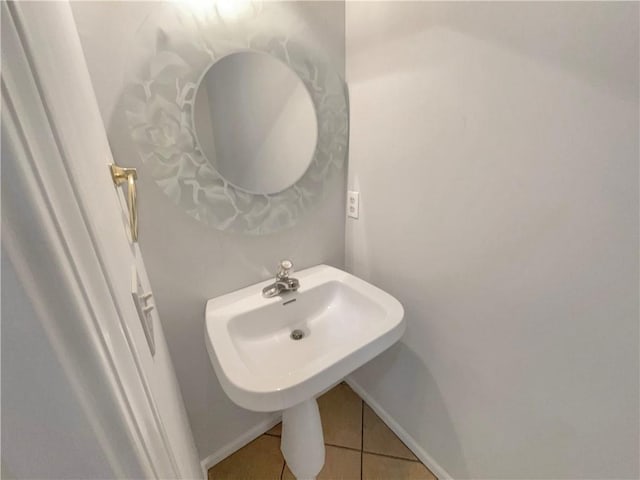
x=277, y=430
x=376, y=467
x=339, y=464
x=378, y=438
x=341, y=414
x=259, y=460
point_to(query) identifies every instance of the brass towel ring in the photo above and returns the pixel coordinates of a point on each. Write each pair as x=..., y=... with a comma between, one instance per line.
x=129, y=175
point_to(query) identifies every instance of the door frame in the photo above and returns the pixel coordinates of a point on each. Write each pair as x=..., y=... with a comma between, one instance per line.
x=54, y=240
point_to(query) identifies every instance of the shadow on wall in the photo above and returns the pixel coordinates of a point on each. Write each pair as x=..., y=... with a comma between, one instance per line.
x=386, y=380
x=555, y=34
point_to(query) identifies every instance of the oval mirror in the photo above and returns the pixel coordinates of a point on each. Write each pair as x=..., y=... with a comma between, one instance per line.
x=255, y=122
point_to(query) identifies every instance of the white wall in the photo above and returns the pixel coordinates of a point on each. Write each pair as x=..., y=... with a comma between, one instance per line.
x=189, y=262
x=495, y=146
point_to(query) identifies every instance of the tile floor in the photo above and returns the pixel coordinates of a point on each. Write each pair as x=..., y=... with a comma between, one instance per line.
x=359, y=446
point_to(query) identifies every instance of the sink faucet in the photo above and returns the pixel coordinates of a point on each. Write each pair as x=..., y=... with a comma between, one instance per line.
x=283, y=283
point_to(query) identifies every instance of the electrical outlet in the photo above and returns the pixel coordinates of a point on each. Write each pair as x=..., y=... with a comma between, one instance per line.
x=353, y=204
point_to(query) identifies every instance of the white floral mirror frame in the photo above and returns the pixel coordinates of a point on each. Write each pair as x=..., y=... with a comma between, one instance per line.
x=158, y=102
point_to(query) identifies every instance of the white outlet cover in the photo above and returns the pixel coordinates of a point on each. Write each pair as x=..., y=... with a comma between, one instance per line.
x=353, y=204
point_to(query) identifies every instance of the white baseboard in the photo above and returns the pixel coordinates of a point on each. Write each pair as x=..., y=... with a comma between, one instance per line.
x=235, y=445
x=402, y=434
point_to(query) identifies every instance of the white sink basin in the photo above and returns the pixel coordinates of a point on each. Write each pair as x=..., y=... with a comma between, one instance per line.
x=345, y=320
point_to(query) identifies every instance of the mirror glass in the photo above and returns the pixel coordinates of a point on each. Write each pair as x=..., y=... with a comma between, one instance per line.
x=255, y=122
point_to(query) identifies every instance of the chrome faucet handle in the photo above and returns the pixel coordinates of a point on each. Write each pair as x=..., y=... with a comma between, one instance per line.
x=286, y=267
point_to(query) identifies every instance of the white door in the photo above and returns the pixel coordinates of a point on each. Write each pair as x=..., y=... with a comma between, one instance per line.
x=48, y=82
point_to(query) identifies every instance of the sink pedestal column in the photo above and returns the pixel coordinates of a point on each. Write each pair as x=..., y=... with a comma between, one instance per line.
x=302, y=442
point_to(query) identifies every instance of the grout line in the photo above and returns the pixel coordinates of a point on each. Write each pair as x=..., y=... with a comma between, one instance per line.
x=397, y=438
x=284, y=464
x=394, y=457
x=271, y=434
x=342, y=447
x=361, y=436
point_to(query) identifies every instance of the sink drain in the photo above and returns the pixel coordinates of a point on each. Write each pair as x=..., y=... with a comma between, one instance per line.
x=297, y=335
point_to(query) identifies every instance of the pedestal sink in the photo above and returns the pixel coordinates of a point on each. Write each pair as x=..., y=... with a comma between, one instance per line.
x=279, y=353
